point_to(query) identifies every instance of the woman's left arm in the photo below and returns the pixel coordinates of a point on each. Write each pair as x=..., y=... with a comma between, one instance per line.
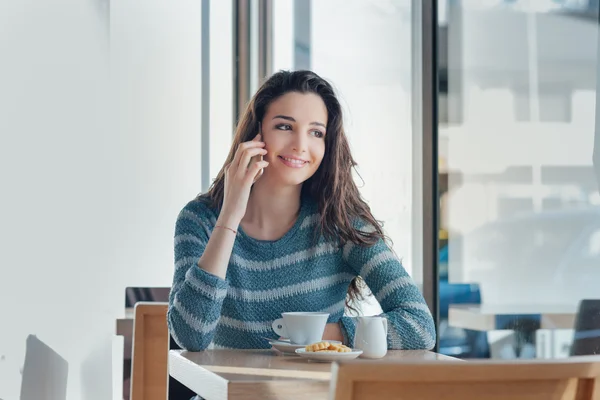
x=410, y=324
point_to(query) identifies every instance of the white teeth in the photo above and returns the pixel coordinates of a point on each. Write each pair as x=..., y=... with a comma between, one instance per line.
x=294, y=161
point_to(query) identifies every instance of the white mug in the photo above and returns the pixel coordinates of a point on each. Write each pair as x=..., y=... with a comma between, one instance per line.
x=301, y=327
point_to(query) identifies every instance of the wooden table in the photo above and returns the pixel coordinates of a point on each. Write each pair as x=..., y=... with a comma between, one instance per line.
x=263, y=374
x=486, y=317
x=549, y=342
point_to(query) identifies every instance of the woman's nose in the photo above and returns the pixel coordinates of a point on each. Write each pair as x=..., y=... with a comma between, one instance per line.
x=300, y=142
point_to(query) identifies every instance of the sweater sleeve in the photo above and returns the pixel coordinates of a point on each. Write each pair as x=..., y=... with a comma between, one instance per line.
x=196, y=296
x=410, y=324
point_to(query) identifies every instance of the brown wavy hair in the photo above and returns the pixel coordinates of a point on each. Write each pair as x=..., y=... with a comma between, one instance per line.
x=332, y=186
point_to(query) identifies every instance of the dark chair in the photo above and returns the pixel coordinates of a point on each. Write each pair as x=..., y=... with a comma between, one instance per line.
x=586, y=340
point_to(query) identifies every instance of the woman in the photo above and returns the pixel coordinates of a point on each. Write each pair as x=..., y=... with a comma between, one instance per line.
x=284, y=228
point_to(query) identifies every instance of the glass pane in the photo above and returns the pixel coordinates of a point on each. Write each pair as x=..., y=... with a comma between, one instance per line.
x=375, y=95
x=520, y=215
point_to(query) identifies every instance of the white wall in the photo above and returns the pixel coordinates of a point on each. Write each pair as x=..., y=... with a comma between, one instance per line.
x=100, y=149
x=222, y=121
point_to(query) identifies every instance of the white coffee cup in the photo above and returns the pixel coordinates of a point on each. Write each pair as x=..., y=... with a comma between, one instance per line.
x=301, y=327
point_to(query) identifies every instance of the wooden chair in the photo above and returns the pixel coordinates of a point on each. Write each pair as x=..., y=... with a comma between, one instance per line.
x=576, y=378
x=149, y=377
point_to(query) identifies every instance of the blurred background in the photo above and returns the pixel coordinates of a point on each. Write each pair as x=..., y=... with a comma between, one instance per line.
x=475, y=124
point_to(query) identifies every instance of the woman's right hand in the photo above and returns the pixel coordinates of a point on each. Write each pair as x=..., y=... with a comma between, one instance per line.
x=239, y=177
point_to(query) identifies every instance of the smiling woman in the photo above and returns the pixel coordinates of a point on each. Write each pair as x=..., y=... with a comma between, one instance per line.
x=301, y=238
x=293, y=139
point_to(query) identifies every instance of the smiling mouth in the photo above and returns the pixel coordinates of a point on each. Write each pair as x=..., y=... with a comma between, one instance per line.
x=292, y=162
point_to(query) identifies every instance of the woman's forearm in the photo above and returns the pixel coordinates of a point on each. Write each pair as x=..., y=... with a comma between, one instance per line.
x=217, y=253
x=333, y=331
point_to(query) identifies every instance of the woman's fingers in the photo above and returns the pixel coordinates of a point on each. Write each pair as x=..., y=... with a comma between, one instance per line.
x=246, y=159
x=255, y=169
x=254, y=143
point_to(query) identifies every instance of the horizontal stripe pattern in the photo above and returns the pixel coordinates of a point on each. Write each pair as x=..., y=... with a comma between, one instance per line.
x=202, y=287
x=186, y=262
x=392, y=287
x=427, y=338
x=376, y=261
x=301, y=272
x=350, y=246
x=334, y=308
x=310, y=221
x=415, y=306
x=246, y=326
x=214, y=346
x=285, y=261
x=394, y=338
x=192, y=216
x=189, y=238
x=173, y=332
x=287, y=291
x=193, y=321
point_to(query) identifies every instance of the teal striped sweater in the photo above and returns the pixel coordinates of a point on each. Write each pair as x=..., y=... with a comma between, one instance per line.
x=299, y=272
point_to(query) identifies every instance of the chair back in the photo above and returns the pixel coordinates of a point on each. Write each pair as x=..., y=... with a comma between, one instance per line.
x=149, y=377
x=576, y=378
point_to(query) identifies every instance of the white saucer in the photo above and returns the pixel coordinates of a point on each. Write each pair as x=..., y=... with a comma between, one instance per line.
x=328, y=357
x=285, y=346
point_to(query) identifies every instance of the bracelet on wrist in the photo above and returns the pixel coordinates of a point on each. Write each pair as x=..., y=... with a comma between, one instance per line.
x=224, y=227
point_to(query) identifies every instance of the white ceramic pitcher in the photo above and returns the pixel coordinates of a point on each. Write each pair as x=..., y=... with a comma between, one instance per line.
x=371, y=336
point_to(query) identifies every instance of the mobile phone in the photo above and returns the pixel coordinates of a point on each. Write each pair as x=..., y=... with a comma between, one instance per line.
x=259, y=157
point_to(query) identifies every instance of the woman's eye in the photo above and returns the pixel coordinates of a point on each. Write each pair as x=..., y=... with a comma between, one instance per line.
x=284, y=127
x=318, y=134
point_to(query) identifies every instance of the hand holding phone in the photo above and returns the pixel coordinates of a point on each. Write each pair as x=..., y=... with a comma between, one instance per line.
x=245, y=168
x=257, y=158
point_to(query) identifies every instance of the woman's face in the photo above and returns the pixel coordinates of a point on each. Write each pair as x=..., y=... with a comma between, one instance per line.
x=293, y=130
